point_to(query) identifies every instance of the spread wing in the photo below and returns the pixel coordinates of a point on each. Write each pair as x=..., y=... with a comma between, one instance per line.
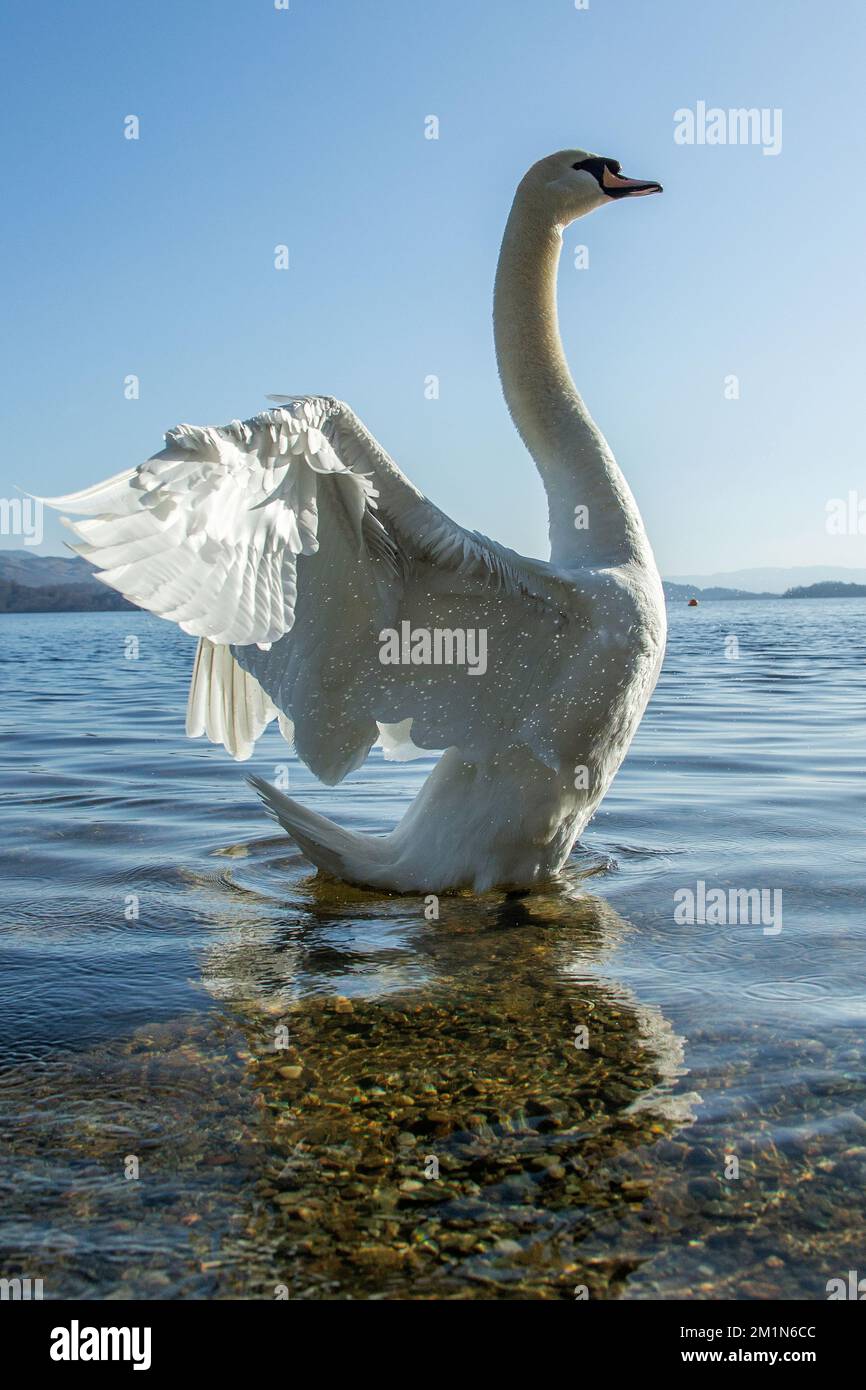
x=288, y=544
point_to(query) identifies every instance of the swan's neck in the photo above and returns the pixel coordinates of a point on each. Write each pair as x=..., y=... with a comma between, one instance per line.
x=570, y=452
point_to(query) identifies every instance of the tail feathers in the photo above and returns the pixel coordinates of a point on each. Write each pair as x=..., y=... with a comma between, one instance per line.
x=342, y=853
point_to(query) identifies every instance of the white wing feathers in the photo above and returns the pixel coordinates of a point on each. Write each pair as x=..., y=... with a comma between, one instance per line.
x=208, y=532
x=227, y=704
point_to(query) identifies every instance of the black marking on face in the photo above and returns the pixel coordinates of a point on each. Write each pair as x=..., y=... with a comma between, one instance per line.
x=596, y=166
x=608, y=175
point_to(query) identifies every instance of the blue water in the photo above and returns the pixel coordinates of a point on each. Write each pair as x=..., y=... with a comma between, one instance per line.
x=145, y=889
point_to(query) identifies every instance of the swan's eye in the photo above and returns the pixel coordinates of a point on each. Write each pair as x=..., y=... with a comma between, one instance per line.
x=594, y=166
x=597, y=165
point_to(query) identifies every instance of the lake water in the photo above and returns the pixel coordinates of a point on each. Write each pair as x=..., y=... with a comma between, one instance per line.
x=221, y=1076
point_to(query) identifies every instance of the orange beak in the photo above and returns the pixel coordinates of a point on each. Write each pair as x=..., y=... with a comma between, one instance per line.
x=618, y=186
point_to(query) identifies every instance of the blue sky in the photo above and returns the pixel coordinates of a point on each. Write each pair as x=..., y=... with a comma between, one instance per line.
x=155, y=257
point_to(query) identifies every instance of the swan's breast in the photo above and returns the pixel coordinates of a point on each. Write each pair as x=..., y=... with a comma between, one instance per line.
x=611, y=670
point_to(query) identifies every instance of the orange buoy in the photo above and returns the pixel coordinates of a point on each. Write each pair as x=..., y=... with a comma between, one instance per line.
x=693, y=603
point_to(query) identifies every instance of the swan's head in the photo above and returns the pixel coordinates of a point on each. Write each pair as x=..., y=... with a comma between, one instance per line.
x=572, y=183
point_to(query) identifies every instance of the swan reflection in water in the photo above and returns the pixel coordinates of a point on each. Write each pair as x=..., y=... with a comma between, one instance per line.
x=426, y=1126
x=453, y=1102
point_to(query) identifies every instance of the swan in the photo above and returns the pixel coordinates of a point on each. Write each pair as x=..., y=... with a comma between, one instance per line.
x=329, y=593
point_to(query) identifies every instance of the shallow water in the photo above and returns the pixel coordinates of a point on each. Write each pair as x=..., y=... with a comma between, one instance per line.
x=328, y=1095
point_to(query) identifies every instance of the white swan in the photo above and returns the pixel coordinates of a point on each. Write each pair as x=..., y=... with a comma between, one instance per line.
x=304, y=559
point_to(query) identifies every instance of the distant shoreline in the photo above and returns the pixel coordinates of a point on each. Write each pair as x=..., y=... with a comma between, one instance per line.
x=61, y=598
x=80, y=598
x=71, y=587
x=828, y=588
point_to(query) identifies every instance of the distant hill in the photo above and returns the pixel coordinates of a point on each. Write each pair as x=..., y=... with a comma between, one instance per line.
x=831, y=589
x=681, y=593
x=53, y=584
x=772, y=579
x=60, y=598
x=43, y=571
